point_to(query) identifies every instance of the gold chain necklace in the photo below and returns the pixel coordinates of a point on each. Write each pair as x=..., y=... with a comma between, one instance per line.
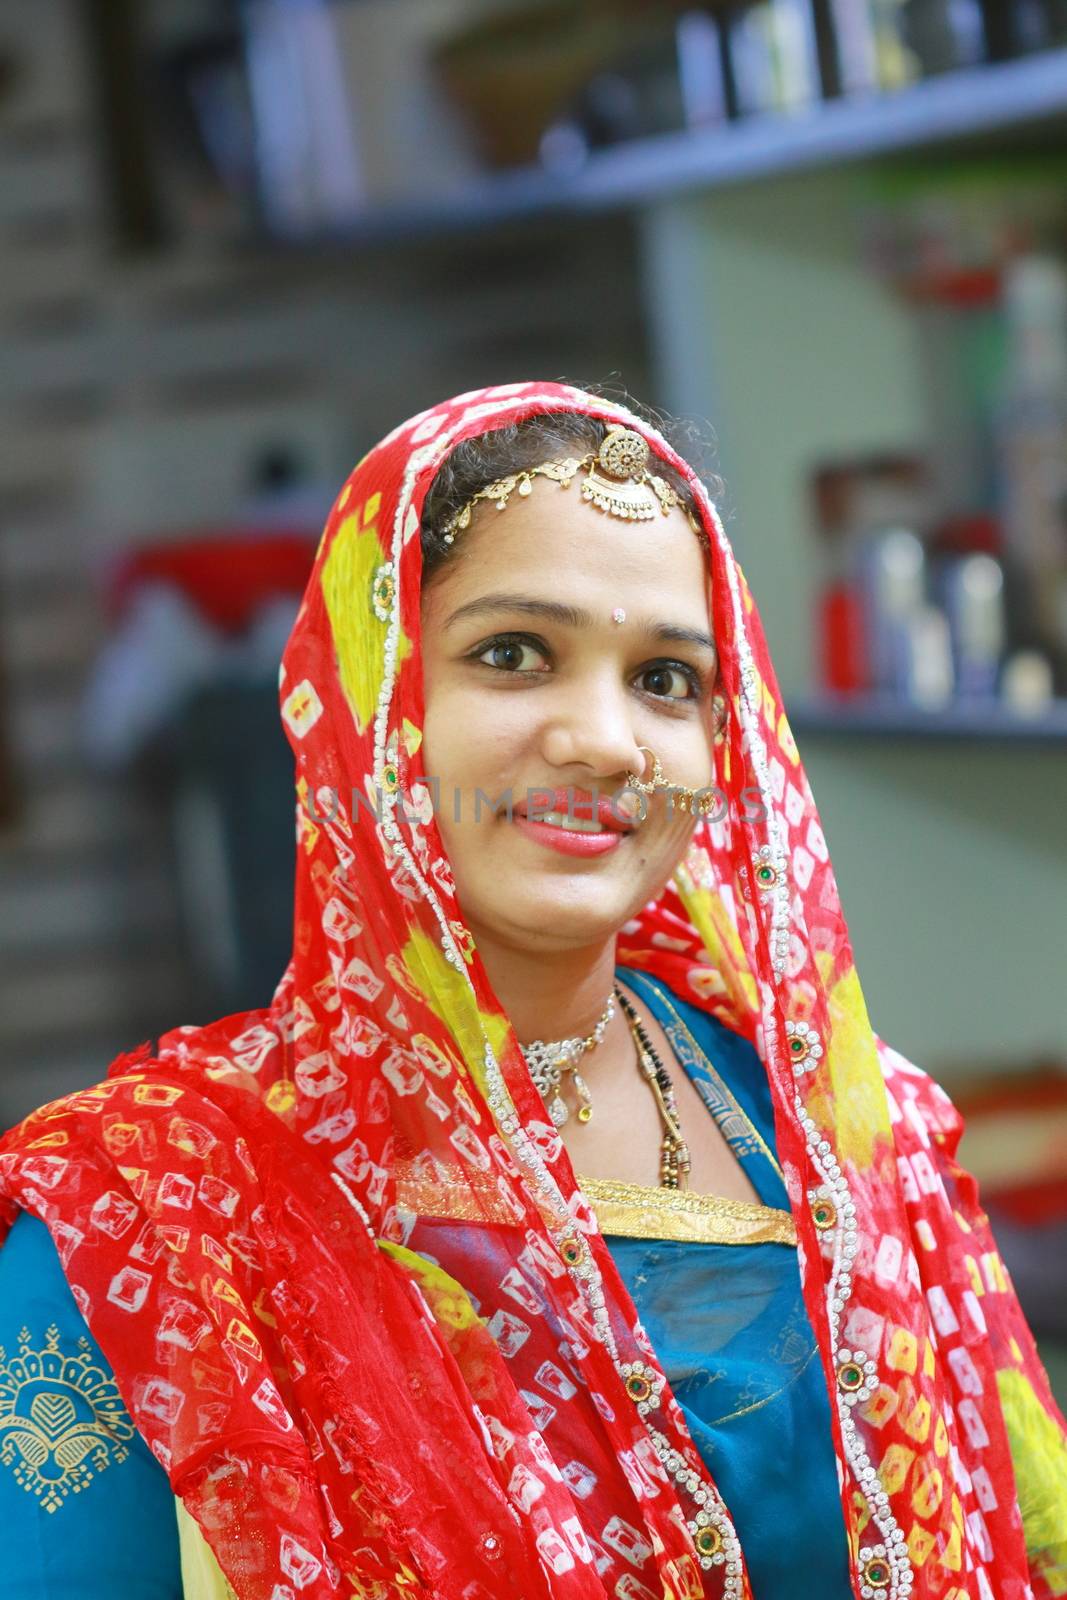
x=674, y=1152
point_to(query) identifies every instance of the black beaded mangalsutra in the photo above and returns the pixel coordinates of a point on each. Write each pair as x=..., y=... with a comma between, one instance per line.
x=674, y=1153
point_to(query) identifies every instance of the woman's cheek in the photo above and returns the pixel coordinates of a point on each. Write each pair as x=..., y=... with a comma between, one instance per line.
x=660, y=863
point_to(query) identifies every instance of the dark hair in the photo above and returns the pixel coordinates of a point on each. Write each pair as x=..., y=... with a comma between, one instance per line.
x=511, y=448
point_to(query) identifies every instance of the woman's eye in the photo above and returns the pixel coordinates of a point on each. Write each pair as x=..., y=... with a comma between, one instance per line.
x=507, y=655
x=517, y=654
x=672, y=683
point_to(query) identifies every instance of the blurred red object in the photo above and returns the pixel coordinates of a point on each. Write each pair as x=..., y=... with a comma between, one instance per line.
x=1015, y=1143
x=962, y=287
x=226, y=576
x=967, y=534
x=843, y=659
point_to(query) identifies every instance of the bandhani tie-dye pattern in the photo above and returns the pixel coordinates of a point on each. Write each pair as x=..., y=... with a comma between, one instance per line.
x=232, y=1211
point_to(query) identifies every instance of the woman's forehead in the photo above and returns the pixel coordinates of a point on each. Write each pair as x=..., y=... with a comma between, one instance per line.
x=552, y=541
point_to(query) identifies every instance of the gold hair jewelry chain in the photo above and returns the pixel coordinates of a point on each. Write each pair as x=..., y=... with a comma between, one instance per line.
x=617, y=481
x=549, y=1063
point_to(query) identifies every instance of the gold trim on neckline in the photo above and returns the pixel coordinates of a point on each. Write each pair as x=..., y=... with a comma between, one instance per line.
x=637, y=1211
x=628, y=1210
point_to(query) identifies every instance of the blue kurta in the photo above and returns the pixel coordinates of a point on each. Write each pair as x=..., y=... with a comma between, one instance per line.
x=727, y=1321
x=87, y=1511
x=732, y=1334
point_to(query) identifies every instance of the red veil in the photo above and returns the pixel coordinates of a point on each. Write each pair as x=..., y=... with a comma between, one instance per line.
x=231, y=1212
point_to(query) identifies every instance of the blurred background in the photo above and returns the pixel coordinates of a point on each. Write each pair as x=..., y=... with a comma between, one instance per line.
x=240, y=241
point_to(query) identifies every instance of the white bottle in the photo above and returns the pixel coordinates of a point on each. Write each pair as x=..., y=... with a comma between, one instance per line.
x=1033, y=437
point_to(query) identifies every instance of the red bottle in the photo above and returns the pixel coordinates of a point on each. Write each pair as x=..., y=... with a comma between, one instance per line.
x=842, y=657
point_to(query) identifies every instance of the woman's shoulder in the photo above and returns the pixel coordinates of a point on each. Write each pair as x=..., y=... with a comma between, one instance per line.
x=31, y=1271
x=46, y=1344
x=73, y=1462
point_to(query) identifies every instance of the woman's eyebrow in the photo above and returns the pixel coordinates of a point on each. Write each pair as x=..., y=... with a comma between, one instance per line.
x=573, y=617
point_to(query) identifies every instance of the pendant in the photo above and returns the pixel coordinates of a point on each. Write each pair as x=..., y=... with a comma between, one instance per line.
x=558, y=1110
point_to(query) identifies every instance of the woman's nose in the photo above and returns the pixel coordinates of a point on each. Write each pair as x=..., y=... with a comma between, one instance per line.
x=594, y=729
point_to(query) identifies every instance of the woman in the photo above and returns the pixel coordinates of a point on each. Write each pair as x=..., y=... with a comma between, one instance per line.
x=561, y=892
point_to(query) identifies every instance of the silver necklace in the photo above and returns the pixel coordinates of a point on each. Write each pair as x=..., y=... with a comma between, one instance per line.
x=550, y=1062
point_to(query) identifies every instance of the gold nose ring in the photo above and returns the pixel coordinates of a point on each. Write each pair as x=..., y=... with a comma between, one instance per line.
x=656, y=781
x=687, y=800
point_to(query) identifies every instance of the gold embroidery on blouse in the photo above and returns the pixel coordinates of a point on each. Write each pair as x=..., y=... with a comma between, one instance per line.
x=632, y=1210
x=637, y=1211
x=62, y=1419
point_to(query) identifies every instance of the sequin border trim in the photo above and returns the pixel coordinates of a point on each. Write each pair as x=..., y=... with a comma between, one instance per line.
x=820, y=1152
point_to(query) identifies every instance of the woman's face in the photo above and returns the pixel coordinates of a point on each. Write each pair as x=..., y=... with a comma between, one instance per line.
x=530, y=685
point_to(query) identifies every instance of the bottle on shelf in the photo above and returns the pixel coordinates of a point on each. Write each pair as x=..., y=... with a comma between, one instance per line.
x=1026, y=683
x=1031, y=426
x=771, y=57
x=1022, y=27
x=842, y=658
x=927, y=677
x=907, y=647
x=973, y=591
x=882, y=45
x=872, y=567
x=944, y=34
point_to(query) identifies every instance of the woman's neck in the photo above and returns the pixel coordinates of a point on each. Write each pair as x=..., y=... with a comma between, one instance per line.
x=550, y=995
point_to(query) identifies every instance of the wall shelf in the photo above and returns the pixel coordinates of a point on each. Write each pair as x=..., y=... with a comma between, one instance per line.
x=1012, y=100
x=874, y=717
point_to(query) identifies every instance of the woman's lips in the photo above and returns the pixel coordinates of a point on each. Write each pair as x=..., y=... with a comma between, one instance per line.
x=569, y=841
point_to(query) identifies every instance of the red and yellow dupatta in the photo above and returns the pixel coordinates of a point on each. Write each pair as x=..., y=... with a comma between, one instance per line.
x=232, y=1210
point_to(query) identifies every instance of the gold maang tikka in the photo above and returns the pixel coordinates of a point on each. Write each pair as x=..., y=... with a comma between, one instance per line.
x=617, y=480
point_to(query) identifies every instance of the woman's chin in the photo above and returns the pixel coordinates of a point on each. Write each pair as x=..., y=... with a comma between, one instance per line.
x=526, y=894
x=543, y=913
